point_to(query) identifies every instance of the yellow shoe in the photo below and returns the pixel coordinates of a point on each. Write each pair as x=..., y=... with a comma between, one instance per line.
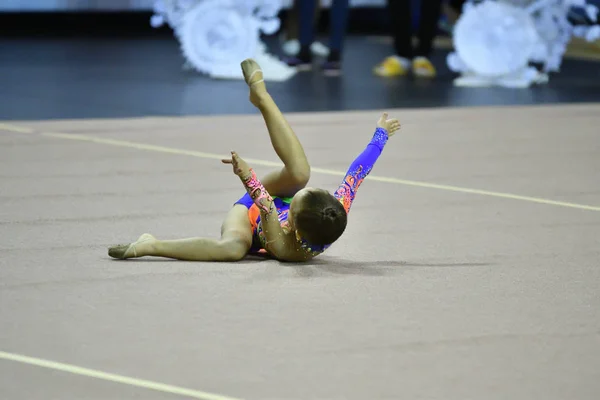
x=423, y=68
x=391, y=66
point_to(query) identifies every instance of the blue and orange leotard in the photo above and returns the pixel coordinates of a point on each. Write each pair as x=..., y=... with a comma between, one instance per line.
x=345, y=193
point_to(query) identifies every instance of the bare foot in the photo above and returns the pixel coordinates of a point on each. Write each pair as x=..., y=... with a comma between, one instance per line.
x=132, y=250
x=253, y=76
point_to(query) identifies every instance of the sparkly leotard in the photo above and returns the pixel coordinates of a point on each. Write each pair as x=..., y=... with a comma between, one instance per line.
x=345, y=193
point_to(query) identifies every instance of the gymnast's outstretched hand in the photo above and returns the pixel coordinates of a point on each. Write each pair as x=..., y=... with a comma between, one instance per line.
x=240, y=167
x=390, y=125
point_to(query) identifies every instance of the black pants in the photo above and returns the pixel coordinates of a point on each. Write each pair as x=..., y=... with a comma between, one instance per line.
x=401, y=19
x=457, y=5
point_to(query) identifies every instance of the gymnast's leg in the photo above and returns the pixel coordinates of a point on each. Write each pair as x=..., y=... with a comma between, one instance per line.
x=234, y=244
x=296, y=171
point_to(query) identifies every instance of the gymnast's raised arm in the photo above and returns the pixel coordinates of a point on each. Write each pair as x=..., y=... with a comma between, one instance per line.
x=363, y=164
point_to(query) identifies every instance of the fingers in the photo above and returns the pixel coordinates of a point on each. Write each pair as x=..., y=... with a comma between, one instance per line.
x=239, y=166
x=393, y=125
x=234, y=158
x=384, y=116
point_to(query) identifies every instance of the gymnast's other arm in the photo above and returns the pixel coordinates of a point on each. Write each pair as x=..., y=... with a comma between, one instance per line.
x=278, y=242
x=363, y=164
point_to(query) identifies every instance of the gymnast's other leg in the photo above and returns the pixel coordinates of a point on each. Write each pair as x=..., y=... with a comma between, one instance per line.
x=296, y=171
x=234, y=244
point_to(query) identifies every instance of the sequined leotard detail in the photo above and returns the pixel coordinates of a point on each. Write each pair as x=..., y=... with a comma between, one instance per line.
x=345, y=193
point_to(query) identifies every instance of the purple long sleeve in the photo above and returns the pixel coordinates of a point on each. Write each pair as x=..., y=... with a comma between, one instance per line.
x=360, y=168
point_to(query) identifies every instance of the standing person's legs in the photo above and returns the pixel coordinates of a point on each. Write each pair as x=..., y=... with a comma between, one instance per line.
x=306, y=34
x=338, y=24
x=291, y=36
x=291, y=23
x=428, y=27
x=401, y=23
x=400, y=16
x=306, y=11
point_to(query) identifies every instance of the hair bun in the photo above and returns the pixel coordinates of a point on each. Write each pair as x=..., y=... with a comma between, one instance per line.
x=329, y=213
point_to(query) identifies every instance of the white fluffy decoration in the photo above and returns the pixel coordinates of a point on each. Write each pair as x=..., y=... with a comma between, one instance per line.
x=216, y=35
x=504, y=41
x=495, y=40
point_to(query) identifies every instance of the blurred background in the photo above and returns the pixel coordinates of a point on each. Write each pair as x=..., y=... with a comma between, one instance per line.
x=99, y=59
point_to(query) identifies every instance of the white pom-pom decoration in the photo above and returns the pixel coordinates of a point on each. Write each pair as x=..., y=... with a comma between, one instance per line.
x=455, y=63
x=593, y=34
x=592, y=12
x=216, y=35
x=495, y=39
x=156, y=21
x=270, y=26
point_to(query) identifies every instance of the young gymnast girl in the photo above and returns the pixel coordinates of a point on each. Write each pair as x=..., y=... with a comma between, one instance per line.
x=278, y=215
